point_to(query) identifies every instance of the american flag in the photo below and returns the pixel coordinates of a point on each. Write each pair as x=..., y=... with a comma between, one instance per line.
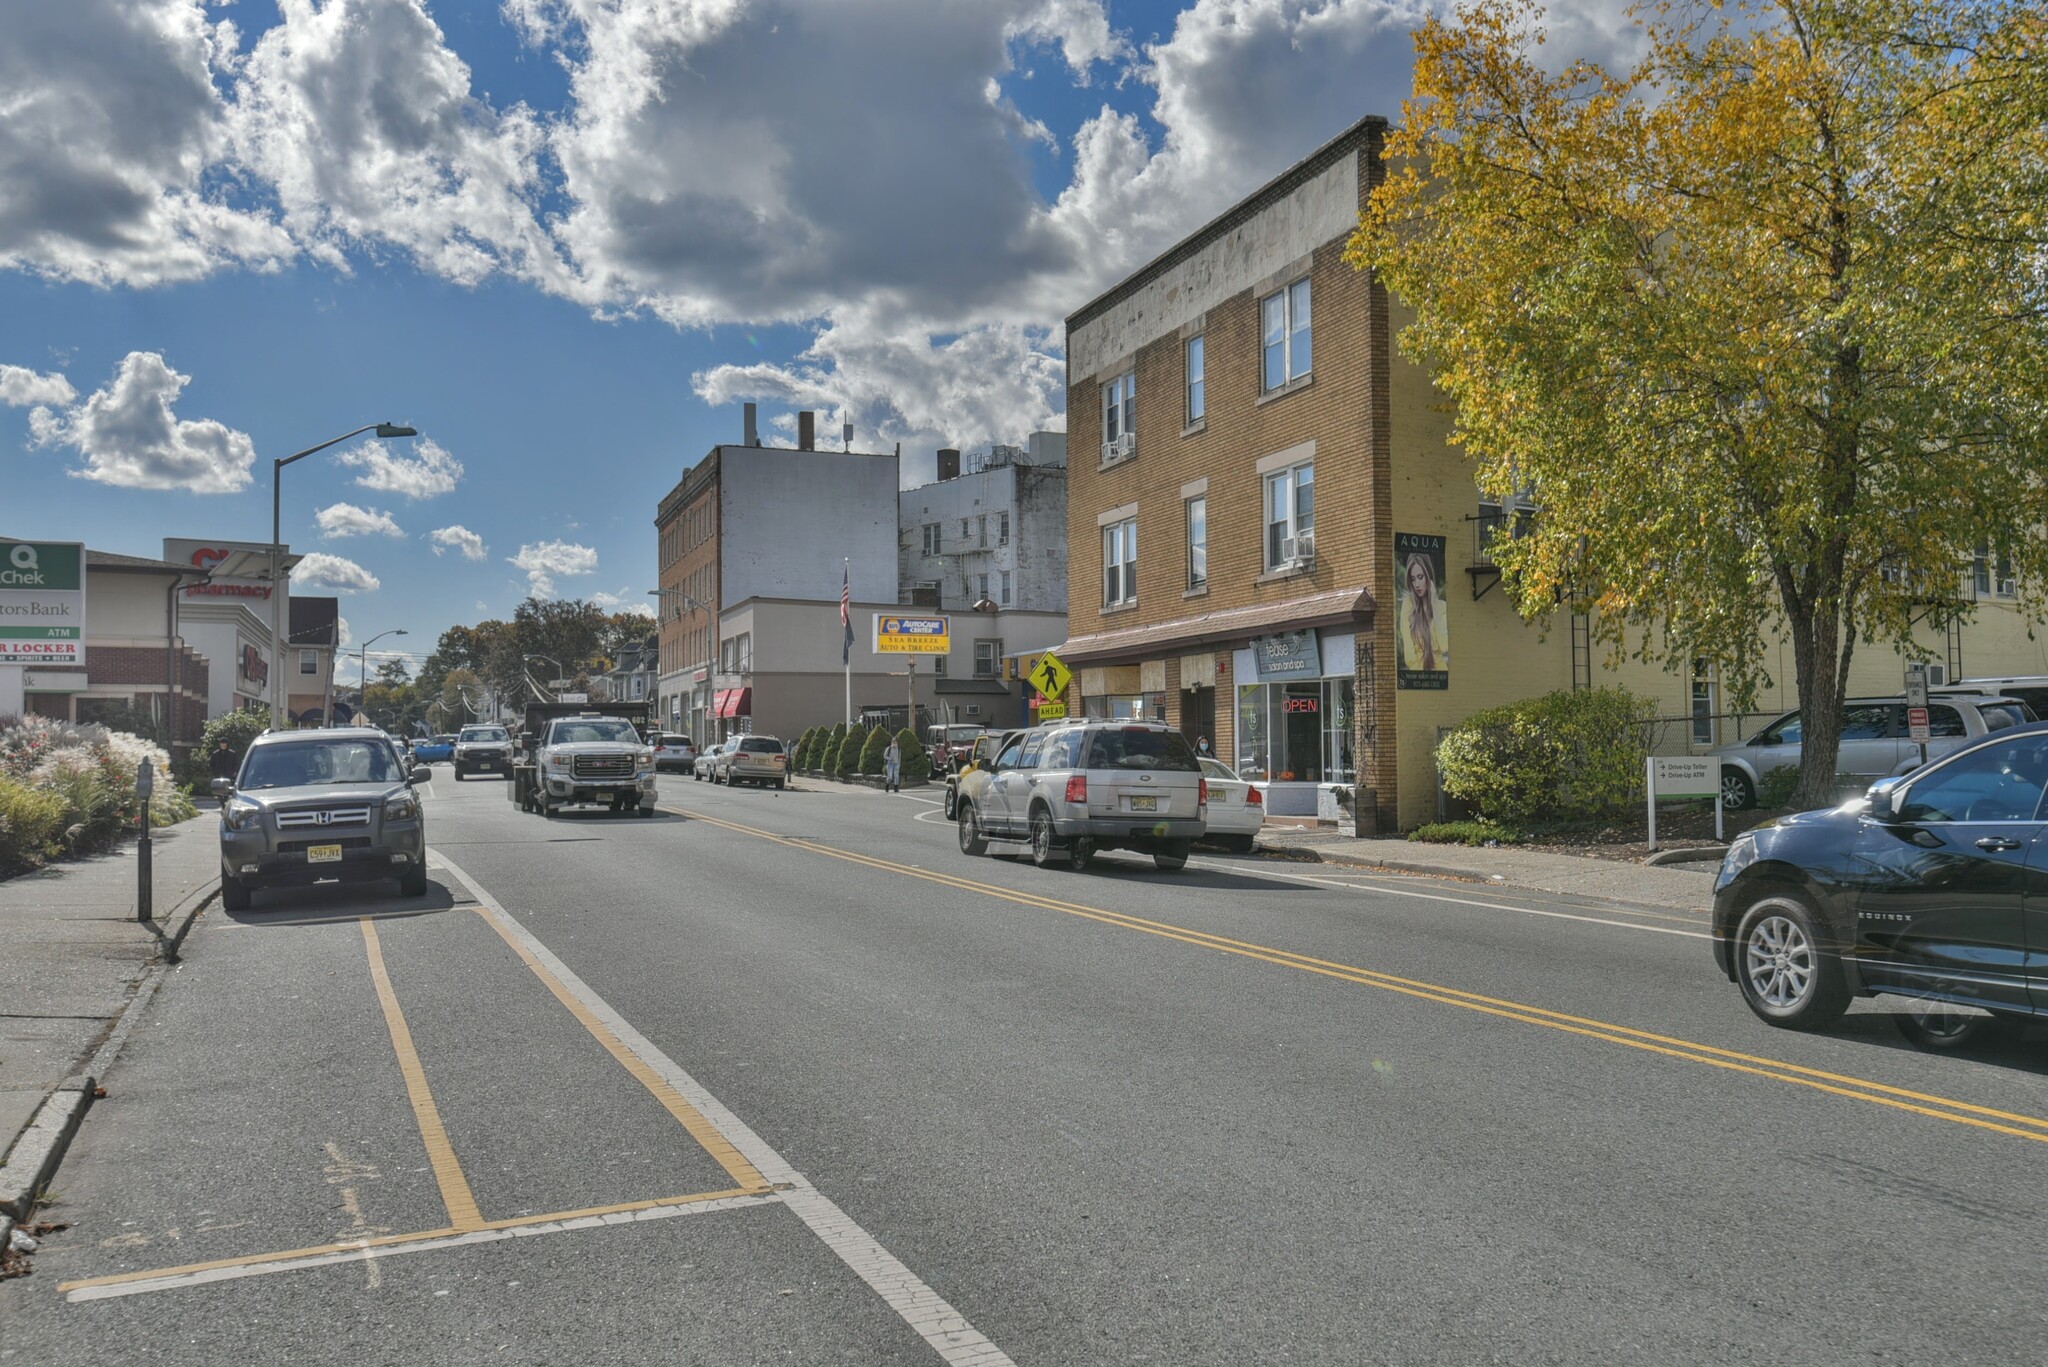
x=846, y=613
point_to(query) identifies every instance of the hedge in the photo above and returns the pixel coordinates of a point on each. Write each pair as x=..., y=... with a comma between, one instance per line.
x=1576, y=752
x=70, y=789
x=917, y=761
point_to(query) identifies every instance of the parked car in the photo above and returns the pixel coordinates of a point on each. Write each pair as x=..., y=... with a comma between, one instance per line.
x=980, y=758
x=1071, y=791
x=484, y=748
x=951, y=743
x=1922, y=890
x=1875, y=742
x=708, y=762
x=759, y=760
x=322, y=804
x=674, y=752
x=434, y=748
x=2031, y=689
x=1237, y=808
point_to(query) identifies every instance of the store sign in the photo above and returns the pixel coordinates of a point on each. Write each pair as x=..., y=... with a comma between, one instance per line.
x=1422, y=615
x=1289, y=655
x=1301, y=705
x=254, y=667
x=912, y=635
x=204, y=555
x=50, y=681
x=42, y=602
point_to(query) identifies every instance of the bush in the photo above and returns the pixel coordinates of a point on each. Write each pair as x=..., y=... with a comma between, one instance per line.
x=827, y=758
x=917, y=761
x=31, y=826
x=805, y=743
x=846, y=761
x=237, y=729
x=1576, y=752
x=1777, y=787
x=68, y=788
x=1468, y=833
x=871, y=760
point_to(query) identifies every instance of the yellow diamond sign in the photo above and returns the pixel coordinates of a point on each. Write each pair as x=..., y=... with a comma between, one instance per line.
x=1050, y=675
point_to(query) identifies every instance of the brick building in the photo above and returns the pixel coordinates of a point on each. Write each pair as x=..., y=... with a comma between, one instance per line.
x=1272, y=541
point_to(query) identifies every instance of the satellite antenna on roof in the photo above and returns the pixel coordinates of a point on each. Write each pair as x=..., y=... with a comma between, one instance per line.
x=846, y=436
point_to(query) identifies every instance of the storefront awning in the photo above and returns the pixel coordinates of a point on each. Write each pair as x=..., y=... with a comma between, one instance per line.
x=1234, y=626
x=733, y=702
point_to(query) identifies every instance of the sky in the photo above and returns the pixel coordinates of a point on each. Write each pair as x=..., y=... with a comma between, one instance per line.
x=566, y=239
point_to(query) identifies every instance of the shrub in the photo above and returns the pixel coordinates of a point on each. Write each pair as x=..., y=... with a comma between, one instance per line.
x=68, y=788
x=1777, y=787
x=917, y=761
x=31, y=826
x=1468, y=833
x=846, y=762
x=237, y=729
x=828, y=748
x=1575, y=752
x=801, y=759
x=871, y=761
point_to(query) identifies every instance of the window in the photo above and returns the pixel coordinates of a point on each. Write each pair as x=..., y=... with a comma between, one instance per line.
x=938, y=666
x=1197, y=408
x=1029, y=758
x=1004, y=577
x=1944, y=722
x=963, y=529
x=1996, y=783
x=309, y=662
x=931, y=538
x=1198, y=543
x=1702, y=703
x=1284, y=321
x=981, y=582
x=1290, y=516
x=981, y=529
x=1120, y=416
x=1002, y=529
x=1120, y=562
x=1993, y=574
x=988, y=656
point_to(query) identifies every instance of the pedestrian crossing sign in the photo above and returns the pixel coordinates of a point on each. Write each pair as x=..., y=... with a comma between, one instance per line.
x=1050, y=676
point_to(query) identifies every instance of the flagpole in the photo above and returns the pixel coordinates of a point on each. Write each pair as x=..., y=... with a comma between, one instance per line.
x=848, y=652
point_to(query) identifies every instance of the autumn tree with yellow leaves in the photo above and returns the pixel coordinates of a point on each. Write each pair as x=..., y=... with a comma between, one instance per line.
x=1762, y=320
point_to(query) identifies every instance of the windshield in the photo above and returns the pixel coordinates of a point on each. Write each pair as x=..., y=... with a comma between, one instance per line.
x=761, y=745
x=477, y=733
x=593, y=731
x=1137, y=747
x=293, y=764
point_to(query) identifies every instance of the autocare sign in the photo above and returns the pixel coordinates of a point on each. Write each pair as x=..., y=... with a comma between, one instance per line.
x=42, y=602
x=912, y=635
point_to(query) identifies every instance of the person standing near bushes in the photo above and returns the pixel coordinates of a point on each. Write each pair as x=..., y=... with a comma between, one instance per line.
x=892, y=760
x=225, y=764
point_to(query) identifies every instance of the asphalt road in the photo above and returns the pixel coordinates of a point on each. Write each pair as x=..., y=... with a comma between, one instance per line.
x=789, y=1079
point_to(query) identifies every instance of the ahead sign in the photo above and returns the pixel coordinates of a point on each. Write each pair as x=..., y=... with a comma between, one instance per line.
x=42, y=602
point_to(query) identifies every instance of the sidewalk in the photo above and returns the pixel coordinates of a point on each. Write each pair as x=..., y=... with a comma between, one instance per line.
x=72, y=954
x=1682, y=887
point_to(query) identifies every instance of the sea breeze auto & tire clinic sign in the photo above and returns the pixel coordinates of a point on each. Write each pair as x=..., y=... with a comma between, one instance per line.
x=42, y=602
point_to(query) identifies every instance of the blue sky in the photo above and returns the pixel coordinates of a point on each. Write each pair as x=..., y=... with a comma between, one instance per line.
x=567, y=238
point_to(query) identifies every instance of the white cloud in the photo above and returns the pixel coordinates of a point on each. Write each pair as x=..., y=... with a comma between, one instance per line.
x=346, y=519
x=131, y=439
x=459, y=538
x=21, y=387
x=323, y=571
x=544, y=561
x=346, y=636
x=622, y=601
x=431, y=472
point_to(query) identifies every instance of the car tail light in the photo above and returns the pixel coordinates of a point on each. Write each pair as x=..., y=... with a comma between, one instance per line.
x=1254, y=798
x=1205, y=792
x=1077, y=788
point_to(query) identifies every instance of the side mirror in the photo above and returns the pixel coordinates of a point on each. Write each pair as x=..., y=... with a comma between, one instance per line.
x=1884, y=798
x=420, y=774
x=221, y=788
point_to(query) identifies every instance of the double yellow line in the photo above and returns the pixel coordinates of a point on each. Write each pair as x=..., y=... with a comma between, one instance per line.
x=2016, y=1124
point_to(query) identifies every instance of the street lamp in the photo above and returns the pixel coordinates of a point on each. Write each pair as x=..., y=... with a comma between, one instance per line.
x=278, y=586
x=363, y=662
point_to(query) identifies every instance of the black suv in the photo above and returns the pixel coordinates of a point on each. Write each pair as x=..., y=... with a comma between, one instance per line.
x=1935, y=888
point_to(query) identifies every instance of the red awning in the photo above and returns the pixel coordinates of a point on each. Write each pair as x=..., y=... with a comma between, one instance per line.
x=733, y=702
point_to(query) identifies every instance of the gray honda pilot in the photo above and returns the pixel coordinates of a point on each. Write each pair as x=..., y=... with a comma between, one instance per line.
x=313, y=805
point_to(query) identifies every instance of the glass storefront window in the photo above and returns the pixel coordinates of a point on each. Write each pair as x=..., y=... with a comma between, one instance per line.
x=1296, y=732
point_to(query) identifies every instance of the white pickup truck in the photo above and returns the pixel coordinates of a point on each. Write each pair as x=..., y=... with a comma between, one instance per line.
x=591, y=759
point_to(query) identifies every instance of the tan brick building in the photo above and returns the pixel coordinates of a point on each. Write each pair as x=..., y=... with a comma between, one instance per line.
x=1271, y=541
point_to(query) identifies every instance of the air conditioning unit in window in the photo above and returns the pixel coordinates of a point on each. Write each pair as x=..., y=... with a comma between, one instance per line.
x=1296, y=551
x=1937, y=676
x=1116, y=448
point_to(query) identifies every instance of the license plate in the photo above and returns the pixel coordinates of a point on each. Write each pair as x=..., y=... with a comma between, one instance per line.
x=1144, y=804
x=323, y=854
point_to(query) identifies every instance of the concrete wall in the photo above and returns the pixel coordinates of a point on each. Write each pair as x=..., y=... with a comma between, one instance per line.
x=1034, y=554
x=789, y=520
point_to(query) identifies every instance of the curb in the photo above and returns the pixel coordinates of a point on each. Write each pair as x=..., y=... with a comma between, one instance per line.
x=33, y=1159
x=1691, y=854
x=181, y=917
x=1403, y=866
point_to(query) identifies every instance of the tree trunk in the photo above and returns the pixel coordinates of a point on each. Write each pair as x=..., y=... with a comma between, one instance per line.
x=1821, y=652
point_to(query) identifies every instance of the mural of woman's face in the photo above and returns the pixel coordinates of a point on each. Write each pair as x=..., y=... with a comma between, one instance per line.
x=1418, y=578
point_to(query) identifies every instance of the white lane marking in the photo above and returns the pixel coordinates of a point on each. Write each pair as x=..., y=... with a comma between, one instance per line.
x=480, y=1236
x=935, y=818
x=1461, y=901
x=927, y=801
x=923, y=1309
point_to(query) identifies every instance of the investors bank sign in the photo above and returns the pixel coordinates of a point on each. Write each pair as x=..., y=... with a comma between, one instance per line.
x=42, y=602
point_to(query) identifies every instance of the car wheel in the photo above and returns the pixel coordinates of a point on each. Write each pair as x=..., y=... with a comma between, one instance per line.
x=1738, y=794
x=1788, y=977
x=780, y=784
x=972, y=841
x=413, y=882
x=1945, y=1028
x=1045, y=851
x=1239, y=844
x=234, y=894
x=952, y=804
x=1172, y=859
x=458, y=773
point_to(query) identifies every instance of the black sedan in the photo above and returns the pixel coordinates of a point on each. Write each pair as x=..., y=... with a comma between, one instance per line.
x=1935, y=888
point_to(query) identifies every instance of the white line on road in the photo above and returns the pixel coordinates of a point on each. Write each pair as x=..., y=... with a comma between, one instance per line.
x=923, y=1309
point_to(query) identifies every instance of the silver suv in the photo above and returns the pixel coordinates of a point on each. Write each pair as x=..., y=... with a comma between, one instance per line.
x=1072, y=790
x=309, y=805
x=1875, y=742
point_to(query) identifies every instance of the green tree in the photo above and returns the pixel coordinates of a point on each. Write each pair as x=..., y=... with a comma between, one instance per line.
x=801, y=758
x=846, y=762
x=871, y=749
x=237, y=729
x=917, y=761
x=828, y=749
x=1760, y=321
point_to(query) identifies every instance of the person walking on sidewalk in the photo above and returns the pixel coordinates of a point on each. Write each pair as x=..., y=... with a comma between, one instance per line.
x=224, y=762
x=892, y=759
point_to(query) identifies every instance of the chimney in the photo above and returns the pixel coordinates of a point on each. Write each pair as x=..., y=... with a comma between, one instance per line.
x=807, y=431
x=753, y=428
x=949, y=463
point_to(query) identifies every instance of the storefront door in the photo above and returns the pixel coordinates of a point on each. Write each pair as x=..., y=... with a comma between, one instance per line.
x=1198, y=715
